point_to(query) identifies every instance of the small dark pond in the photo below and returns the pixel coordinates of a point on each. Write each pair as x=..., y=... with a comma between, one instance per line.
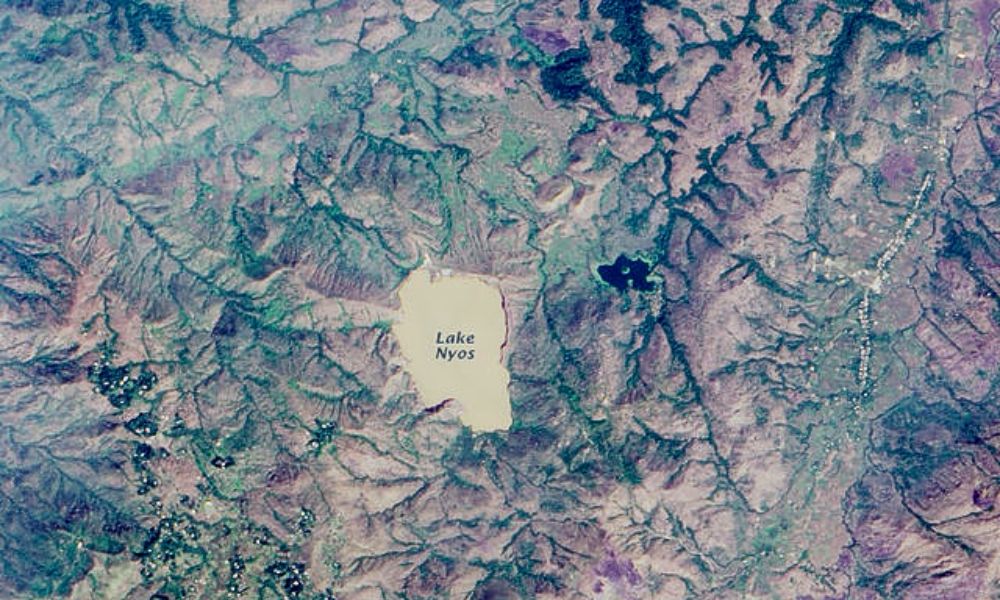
x=625, y=272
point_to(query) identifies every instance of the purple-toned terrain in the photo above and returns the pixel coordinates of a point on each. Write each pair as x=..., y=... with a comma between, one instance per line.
x=748, y=254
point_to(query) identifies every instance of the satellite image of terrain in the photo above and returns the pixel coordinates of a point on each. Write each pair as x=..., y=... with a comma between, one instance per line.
x=500, y=299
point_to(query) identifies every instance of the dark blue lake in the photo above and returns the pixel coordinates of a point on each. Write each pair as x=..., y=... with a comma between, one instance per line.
x=626, y=272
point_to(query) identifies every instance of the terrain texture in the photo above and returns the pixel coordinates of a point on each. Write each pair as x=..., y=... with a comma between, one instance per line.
x=749, y=253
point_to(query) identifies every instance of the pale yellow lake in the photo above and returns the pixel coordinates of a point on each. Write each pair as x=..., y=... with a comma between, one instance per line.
x=451, y=331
